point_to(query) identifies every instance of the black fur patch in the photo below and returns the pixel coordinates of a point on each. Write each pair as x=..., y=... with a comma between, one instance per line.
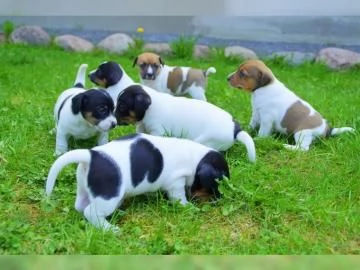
x=79, y=85
x=109, y=71
x=237, y=128
x=61, y=106
x=212, y=167
x=146, y=161
x=132, y=99
x=104, y=177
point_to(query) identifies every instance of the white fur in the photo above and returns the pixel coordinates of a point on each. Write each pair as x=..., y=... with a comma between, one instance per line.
x=193, y=119
x=70, y=125
x=269, y=105
x=180, y=157
x=160, y=83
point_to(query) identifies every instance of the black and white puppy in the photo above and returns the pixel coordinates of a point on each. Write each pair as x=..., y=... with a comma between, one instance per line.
x=111, y=75
x=136, y=164
x=82, y=114
x=165, y=115
x=162, y=114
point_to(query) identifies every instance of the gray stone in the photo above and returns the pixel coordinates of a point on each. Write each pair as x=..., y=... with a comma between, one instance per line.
x=30, y=35
x=337, y=58
x=74, y=43
x=159, y=48
x=201, y=51
x=240, y=52
x=116, y=43
x=294, y=58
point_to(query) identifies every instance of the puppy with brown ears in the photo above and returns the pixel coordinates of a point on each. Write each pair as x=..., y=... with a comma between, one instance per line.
x=275, y=107
x=177, y=81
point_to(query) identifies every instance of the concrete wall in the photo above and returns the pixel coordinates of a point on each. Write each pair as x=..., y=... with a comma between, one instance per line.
x=325, y=21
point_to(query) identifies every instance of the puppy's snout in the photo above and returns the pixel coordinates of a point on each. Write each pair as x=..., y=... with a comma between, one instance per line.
x=113, y=125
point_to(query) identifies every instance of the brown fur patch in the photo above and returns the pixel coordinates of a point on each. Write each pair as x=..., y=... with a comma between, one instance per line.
x=175, y=79
x=194, y=76
x=201, y=195
x=298, y=117
x=90, y=118
x=251, y=75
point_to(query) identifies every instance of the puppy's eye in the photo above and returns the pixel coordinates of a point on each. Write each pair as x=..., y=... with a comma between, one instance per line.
x=155, y=66
x=103, y=109
x=143, y=65
x=241, y=74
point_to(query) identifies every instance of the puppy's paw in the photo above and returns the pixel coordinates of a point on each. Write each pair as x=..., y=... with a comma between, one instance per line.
x=293, y=147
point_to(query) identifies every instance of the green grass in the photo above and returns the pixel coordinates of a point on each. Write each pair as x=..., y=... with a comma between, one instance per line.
x=286, y=203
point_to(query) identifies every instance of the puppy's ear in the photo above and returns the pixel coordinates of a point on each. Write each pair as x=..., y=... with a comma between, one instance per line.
x=141, y=104
x=161, y=61
x=207, y=176
x=77, y=103
x=135, y=61
x=263, y=79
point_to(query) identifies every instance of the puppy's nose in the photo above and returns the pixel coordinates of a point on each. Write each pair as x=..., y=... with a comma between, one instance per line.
x=228, y=78
x=113, y=124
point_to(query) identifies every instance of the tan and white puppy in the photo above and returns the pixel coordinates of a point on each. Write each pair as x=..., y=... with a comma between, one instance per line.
x=177, y=81
x=275, y=107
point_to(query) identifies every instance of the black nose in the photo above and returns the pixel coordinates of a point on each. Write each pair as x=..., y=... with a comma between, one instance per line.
x=113, y=124
x=228, y=78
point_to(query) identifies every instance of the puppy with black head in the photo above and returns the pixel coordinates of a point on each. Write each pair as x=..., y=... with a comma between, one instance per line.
x=82, y=114
x=136, y=164
x=161, y=114
x=111, y=75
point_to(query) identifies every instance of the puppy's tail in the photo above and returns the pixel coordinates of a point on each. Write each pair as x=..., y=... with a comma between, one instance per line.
x=74, y=156
x=81, y=76
x=246, y=139
x=209, y=71
x=337, y=131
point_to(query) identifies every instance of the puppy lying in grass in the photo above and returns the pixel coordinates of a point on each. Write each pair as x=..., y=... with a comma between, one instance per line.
x=275, y=107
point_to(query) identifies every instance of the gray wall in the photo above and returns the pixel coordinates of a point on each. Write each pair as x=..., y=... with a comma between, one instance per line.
x=313, y=21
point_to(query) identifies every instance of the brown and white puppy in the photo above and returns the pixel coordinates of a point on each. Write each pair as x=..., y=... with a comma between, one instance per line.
x=274, y=106
x=177, y=81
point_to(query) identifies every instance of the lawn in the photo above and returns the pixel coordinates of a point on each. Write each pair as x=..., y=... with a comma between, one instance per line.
x=285, y=203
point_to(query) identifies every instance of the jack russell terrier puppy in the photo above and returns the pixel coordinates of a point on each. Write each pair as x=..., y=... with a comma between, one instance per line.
x=274, y=106
x=82, y=114
x=177, y=81
x=162, y=114
x=111, y=76
x=136, y=164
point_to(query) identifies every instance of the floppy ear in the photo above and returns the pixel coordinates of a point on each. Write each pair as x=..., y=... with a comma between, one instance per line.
x=207, y=176
x=263, y=79
x=77, y=103
x=135, y=61
x=142, y=102
x=161, y=61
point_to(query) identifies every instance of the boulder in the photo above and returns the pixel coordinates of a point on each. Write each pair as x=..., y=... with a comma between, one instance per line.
x=116, y=43
x=337, y=58
x=34, y=35
x=73, y=43
x=240, y=52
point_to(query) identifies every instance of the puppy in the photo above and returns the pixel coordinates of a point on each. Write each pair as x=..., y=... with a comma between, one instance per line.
x=274, y=106
x=161, y=114
x=82, y=114
x=177, y=81
x=136, y=164
x=111, y=75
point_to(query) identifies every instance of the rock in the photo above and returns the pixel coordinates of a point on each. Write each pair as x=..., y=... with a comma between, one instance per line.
x=116, y=43
x=74, y=43
x=294, y=58
x=201, y=51
x=337, y=58
x=240, y=52
x=159, y=48
x=30, y=35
